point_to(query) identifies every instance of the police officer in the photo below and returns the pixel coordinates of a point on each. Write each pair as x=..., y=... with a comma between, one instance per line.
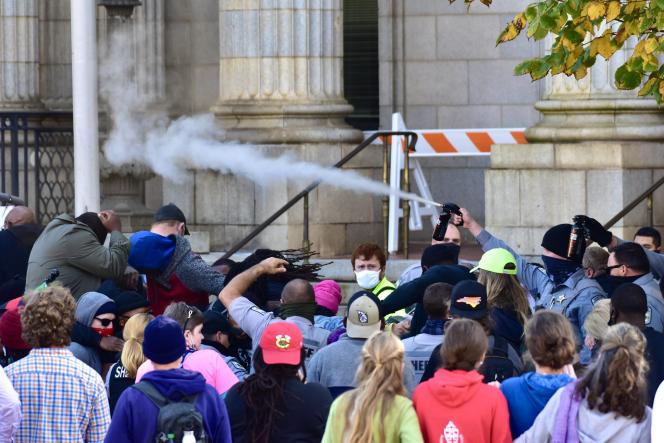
x=563, y=286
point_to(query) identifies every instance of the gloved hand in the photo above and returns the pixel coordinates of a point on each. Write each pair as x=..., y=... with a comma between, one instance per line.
x=596, y=230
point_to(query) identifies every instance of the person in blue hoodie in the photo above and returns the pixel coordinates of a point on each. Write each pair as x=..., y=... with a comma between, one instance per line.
x=552, y=346
x=135, y=417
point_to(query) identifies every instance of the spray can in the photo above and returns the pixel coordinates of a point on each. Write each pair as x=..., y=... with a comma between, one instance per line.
x=444, y=219
x=574, y=247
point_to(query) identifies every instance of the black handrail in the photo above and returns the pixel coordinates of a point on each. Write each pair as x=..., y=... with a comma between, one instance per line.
x=647, y=193
x=412, y=140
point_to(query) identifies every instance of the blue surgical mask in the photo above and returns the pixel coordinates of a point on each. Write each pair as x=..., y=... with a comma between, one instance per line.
x=558, y=269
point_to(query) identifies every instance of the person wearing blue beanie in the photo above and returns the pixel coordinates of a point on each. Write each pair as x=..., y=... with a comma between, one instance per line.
x=135, y=416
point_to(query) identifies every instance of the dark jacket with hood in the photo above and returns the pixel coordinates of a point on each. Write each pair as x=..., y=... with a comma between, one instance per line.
x=174, y=272
x=527, y=395
x=73, y=248
x=13, y=267
x=135, y=416
x=413, y=292
x=506, y=324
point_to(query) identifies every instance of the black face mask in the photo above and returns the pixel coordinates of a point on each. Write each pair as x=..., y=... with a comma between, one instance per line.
x=92, y=221
x=613, y=281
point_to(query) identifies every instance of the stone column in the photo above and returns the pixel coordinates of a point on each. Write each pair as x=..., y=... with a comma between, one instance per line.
x=55, y=60
x=123, y=188
x=19, y=54
x=280, y=71
x=594, y=151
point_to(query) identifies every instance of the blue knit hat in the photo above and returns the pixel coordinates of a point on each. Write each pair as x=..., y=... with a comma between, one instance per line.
x=163, y=340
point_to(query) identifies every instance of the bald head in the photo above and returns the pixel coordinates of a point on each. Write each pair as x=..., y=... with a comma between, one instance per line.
x=298, y=291
x=20, y=215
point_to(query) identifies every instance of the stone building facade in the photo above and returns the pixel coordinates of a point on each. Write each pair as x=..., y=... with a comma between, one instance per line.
x=272, y=71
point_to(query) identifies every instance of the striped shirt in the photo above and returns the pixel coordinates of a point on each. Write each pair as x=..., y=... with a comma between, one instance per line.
x=63, y=400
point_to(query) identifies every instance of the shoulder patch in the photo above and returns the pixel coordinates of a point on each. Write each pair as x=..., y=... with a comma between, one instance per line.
x=596, y=298
x=648, y=315
x=257, y=310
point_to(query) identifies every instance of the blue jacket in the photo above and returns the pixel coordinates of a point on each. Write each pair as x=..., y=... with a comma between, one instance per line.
x=527, y=395
x=150, y=251
x=135, y=416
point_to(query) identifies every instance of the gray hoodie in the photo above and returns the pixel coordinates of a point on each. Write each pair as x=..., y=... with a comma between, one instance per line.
x=593, y=426
x=86, y=308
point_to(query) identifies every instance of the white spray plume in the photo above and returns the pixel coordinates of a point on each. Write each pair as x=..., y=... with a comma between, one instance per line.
x=172, y=148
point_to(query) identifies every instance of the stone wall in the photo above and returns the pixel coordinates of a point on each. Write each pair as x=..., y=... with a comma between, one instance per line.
x=440, y=67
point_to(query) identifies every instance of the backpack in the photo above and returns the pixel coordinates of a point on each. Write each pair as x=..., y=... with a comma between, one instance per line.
x=497, y=365
x=174, y=417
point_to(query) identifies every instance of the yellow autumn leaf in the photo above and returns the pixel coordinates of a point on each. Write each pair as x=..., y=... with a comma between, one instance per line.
x=581, y=72
x=612, y=11
x=650, y=45
x=509, y=33
x=647, y=86
x=596, y=10
x=519, y=22
x=602, y=46
x=661, y=87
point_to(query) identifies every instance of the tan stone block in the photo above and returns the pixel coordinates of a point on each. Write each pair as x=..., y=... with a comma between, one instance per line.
x=369, y=157
x=532, y=155
x=588, y=155
x=181, y=194
x=199, y=241
x=634, y=182
x=525, y=241
x=604, y=194
x=224, y=198
x=357, y=233
x=551, y=197
x=273, y=237
x=502, y=197
x=658, y=199
x=643, y=155
x=329, y=239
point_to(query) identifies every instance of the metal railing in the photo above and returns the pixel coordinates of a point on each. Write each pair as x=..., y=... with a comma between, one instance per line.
x=646, y=195
x=37, y=160
x=411, y=138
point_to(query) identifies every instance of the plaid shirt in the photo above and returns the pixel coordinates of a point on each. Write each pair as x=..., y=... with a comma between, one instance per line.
x=63, y=400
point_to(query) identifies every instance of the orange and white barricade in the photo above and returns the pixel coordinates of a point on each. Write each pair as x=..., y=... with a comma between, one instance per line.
x=435, y=143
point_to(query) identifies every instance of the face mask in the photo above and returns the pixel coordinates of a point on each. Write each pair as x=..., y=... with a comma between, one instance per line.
x=613, y=281
x=104, y=332
x=559, y=270
x=367, y=279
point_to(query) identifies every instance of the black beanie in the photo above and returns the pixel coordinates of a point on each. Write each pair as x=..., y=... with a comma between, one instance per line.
x=129, y=300
x=440, y=253
x=556, y=240
x=92, y=221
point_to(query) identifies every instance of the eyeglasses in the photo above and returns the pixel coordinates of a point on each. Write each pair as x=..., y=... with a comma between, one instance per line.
x=608, y=268
x=105, y=322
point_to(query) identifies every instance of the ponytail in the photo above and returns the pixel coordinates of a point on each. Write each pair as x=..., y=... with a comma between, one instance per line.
x=132, y=352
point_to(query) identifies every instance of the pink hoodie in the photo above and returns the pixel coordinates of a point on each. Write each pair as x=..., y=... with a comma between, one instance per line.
x=208, y=363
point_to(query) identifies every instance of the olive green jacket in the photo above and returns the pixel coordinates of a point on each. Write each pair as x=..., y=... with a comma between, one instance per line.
x=72, y=248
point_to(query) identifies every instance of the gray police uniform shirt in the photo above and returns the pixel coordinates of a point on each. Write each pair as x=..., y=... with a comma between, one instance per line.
x=655, y=313
x=418, y=351
x=253, y=320
x=565, y=298
x=335, y=365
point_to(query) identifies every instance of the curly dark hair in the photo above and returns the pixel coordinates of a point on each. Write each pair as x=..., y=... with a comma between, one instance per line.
x=263, y=392
x=616, y=382
x=48, y=318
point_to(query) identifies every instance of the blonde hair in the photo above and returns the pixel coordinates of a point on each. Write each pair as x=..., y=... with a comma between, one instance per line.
x=132, y=352
x=379, y=380
x=504, y=291
x=597, y=322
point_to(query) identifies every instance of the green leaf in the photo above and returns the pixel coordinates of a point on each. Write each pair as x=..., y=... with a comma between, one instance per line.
x=626, y=78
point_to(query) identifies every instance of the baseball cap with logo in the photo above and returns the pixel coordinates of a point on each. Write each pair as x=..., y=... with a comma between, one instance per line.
x=363, y=317
x=282, y=343
x=498, y=261
x=171, y=212
x=469, y=300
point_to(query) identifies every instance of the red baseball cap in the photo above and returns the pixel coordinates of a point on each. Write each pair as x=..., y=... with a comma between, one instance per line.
x=281, y=343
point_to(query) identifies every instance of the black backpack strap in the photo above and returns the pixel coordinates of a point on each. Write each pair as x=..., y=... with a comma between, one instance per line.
x=151, y=392
x=499, y=347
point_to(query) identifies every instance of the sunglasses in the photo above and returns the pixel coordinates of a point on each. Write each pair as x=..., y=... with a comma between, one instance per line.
x=608, y=268
x=105, y=322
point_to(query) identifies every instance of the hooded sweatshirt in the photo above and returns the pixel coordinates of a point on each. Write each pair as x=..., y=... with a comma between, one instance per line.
x=592, y=426
x=86, y=308
x=506, y=324
x=455, y=406
x=135, y=417
x=527, y=395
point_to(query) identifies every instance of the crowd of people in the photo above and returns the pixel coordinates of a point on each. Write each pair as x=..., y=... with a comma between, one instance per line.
x=106, y=338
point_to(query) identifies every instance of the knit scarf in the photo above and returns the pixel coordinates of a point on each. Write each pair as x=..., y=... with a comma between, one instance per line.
x=565, y=426
x=305, y=310
x=434, y=327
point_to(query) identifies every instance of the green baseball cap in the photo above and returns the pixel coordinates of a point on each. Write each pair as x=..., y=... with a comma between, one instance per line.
x=498, y=261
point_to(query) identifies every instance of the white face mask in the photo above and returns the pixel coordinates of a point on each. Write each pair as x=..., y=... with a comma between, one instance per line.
x=367, y=279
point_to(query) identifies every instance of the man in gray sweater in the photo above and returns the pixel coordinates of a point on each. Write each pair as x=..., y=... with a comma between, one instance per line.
x=335, y=365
